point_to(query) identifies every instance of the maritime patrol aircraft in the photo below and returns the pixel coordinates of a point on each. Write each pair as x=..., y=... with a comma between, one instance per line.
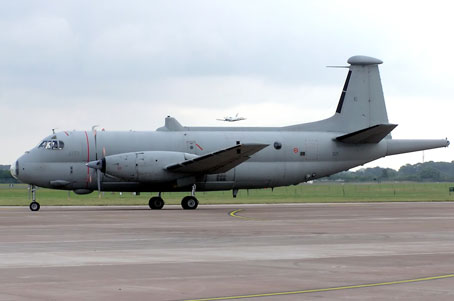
x=180, y=158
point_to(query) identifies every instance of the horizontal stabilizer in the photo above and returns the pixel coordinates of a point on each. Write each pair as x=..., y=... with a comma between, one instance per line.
x=219, y=161
x=373, y=134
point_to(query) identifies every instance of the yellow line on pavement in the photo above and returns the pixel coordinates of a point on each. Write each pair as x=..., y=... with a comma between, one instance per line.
x=326, y=289
x=234, y=214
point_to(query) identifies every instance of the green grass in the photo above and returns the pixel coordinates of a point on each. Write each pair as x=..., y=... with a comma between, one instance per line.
x=306, y=193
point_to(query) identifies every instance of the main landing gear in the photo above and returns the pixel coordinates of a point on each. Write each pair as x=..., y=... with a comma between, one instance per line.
x=188, y=202
x=156, y=202
x=34, y=205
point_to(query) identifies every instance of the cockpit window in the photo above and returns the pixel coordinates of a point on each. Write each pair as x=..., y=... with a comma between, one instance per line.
x=52, y=144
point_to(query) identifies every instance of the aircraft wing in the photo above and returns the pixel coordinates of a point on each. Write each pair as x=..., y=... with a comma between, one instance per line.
x=218, y=162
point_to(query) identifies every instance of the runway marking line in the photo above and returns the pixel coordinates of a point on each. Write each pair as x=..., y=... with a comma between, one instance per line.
x=327, y=289
x=234, y=214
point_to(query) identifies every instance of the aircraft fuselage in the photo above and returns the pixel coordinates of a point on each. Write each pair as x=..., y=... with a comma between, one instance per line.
x=289, y=158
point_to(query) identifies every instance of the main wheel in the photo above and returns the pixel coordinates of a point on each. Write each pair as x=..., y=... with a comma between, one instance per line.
x=189, y=202
x=156, y=203
x=34, y=206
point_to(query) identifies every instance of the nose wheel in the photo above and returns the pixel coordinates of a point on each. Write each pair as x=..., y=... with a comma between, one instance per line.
x=34, y=205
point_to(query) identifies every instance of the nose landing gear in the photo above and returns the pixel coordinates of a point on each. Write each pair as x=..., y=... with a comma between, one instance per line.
x=34, y=205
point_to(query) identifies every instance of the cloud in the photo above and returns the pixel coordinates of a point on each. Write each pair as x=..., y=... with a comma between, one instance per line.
x=72, y=64
x=37, y=44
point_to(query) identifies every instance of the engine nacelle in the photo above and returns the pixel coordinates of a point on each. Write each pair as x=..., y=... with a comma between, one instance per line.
x=146, y=166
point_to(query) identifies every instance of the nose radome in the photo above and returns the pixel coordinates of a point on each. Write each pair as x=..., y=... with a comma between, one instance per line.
x=14, y=169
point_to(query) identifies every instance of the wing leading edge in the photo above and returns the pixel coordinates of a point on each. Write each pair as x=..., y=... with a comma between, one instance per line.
x=218, y=162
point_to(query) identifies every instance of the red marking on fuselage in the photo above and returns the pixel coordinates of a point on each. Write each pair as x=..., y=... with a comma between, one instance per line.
x=295, y=150
x=88, y=158
x=199, y=147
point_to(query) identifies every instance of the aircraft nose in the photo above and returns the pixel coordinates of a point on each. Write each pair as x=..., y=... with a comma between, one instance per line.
x=14, y=169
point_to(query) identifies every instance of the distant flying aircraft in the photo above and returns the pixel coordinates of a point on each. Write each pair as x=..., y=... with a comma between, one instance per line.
x=232, y=119
x=178, y=158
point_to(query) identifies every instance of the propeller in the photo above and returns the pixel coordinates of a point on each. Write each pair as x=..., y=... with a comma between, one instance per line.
x=100, y=167
x=98, y=164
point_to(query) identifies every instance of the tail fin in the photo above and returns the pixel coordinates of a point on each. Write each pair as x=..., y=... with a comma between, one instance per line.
x=361, y=104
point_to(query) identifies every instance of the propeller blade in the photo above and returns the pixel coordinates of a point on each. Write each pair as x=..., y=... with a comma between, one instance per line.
x=96, y=144
x=99, y=181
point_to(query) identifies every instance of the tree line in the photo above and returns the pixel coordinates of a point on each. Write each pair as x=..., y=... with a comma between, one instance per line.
x=419, y=172
x=5, y=175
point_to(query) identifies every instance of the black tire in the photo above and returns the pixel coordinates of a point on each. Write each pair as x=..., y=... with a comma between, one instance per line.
x=189, y=202
x=156, y=203
x=34, y=206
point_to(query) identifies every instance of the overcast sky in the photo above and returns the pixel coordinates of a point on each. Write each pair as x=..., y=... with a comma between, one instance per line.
x=128, y=64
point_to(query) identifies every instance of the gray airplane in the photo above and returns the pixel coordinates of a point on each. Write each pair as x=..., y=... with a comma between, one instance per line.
x=232, y=119
x=179, y=158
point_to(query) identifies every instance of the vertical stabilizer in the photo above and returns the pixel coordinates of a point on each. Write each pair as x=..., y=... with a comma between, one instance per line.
x=362, y=103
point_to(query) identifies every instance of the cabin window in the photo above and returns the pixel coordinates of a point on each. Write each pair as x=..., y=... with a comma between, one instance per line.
x=52, y=144
x=277, y=145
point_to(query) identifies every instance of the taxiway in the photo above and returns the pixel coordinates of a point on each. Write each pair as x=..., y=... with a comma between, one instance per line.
x=403, y=251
